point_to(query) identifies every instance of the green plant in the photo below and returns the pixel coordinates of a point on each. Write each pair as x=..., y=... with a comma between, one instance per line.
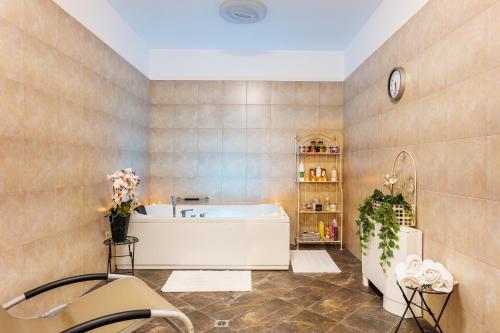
x=382, y=213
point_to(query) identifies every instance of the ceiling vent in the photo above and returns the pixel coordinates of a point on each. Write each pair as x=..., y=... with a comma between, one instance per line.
x=243, y=11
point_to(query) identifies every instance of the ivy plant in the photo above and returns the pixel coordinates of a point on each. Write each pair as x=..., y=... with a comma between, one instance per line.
x=385, y=216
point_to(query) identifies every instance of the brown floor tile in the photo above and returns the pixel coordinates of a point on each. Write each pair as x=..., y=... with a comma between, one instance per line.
x=342, y=328
x=199, y=300
x=337, y=303
x=177, y=302
x=308, y=295
x=305, y=321
x=201, y=322
x=371, y=319
x=238, y=304
x=265, y=316
x=341, y=303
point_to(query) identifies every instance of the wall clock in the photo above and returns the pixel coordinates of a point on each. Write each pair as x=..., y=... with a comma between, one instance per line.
x=396, y=84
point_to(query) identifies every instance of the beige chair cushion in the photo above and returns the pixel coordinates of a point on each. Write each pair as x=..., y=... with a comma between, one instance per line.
x=120, y=295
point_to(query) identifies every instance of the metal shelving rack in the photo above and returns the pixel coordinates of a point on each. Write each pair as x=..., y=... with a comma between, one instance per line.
x=308, y=190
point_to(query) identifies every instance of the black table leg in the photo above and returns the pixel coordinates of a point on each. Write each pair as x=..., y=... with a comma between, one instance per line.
x=436, y=321
x=133, y=259
x=108, y=269
x=408, y=306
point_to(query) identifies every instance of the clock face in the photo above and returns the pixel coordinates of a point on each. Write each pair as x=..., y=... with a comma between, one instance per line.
x=396, y=83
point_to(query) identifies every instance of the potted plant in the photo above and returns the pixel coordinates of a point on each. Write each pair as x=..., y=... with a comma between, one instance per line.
x=389, y=211
x=125, y=182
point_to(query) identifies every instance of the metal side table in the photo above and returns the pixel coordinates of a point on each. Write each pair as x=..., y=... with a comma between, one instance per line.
x=130, y=241
x=426, y=289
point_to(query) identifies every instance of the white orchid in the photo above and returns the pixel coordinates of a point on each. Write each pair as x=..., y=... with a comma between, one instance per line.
x=125, y=182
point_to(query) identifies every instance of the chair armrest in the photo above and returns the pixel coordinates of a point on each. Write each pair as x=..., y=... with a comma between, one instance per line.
x=130, y=315
x=59, y=283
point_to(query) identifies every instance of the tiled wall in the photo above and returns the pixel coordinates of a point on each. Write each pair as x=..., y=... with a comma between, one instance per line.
x=449, y=118
x=234, y=140
x=71, y=111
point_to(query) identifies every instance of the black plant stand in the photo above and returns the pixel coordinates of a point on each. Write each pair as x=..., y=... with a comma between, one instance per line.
x=426, y=289
x=130, y=242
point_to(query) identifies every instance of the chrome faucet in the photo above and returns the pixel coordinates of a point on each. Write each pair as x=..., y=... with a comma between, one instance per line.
x=174, y=205
x=184, y=211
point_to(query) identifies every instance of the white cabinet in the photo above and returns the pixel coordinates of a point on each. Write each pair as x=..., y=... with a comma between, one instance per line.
x=410, y=242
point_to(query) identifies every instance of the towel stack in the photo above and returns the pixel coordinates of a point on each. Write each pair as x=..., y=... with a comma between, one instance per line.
x=415, y=273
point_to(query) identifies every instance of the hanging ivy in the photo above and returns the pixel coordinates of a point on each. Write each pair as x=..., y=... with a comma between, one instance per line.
x=383, y=214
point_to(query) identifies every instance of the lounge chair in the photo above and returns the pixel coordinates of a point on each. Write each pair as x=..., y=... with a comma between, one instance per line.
x=123, y=305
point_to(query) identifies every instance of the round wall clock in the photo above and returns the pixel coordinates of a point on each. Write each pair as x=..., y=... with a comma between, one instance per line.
x=396, y=84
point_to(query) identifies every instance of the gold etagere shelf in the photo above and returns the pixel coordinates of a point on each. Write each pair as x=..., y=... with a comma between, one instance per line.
x=318, y=152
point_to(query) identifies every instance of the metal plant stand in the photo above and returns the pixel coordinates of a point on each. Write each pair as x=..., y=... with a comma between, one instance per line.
x=130, y=241
x=426, y=289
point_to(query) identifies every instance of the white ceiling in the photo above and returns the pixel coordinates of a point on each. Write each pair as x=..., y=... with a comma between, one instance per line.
x=289, y=25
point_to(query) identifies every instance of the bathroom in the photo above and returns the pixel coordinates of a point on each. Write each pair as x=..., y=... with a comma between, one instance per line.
x=198, y=106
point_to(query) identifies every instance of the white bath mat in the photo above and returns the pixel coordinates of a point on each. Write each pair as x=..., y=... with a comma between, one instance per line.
x=198, y=281
x=312, y=261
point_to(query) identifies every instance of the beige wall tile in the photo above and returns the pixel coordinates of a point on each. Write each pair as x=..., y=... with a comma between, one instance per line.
x=13, y=11
x=466, y=172
x=210, y=116
x=161, y=116
x=185, y=140
x=185, y=92
x=185, y=165
x=258, y=92
x=210, y=140
x=211, y=92
x=433, y=117
x=235, y=92
x=234, y=116
x=163, y=92
x=210, y=165
x=258, y=140
x=449, y=52
x=71, y=37
x=211, y=187
x=331, y=93
x=434, y=68
x=283, y=116
x=233, y=140
x=283, y=93
x=493, y=167
x=161, y=140
x=12, y=103
x=185, y=116
x=307, y=93
x=41, y=21
x=468, y=58
x=258, y=116
x=12, y=44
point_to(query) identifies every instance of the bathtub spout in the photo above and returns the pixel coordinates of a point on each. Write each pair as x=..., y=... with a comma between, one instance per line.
x=174, y=205
x=184, y=211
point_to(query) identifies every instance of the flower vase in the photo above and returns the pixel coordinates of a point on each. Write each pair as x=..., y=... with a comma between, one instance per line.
x=119, y=227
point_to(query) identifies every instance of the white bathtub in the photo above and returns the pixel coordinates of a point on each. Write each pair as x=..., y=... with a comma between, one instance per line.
x=228, y=237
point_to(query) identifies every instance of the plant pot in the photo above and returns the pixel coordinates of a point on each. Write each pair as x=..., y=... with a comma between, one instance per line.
x=119, y=227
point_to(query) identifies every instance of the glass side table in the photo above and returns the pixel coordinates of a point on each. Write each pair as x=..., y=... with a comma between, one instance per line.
x=130, y=241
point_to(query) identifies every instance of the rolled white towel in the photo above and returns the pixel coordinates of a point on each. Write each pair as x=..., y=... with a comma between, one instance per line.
x=413, y=265
x=405, y=279
x=431, y=272
x=445, y=283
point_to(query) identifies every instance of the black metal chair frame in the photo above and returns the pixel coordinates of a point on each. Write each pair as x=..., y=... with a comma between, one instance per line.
x=104, y=320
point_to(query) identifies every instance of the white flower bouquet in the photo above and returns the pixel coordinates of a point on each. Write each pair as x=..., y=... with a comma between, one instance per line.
x=125, y=183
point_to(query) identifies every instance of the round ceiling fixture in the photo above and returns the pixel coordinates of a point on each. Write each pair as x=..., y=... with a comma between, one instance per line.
x=243, y=11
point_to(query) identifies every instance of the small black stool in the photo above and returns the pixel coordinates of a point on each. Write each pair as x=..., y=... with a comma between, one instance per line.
x=425, y=289
x=130, y=242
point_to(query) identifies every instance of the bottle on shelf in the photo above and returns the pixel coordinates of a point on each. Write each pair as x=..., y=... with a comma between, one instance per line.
x=334, y=177
x=321, y=227
x=335, y=228
x=301, y=172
